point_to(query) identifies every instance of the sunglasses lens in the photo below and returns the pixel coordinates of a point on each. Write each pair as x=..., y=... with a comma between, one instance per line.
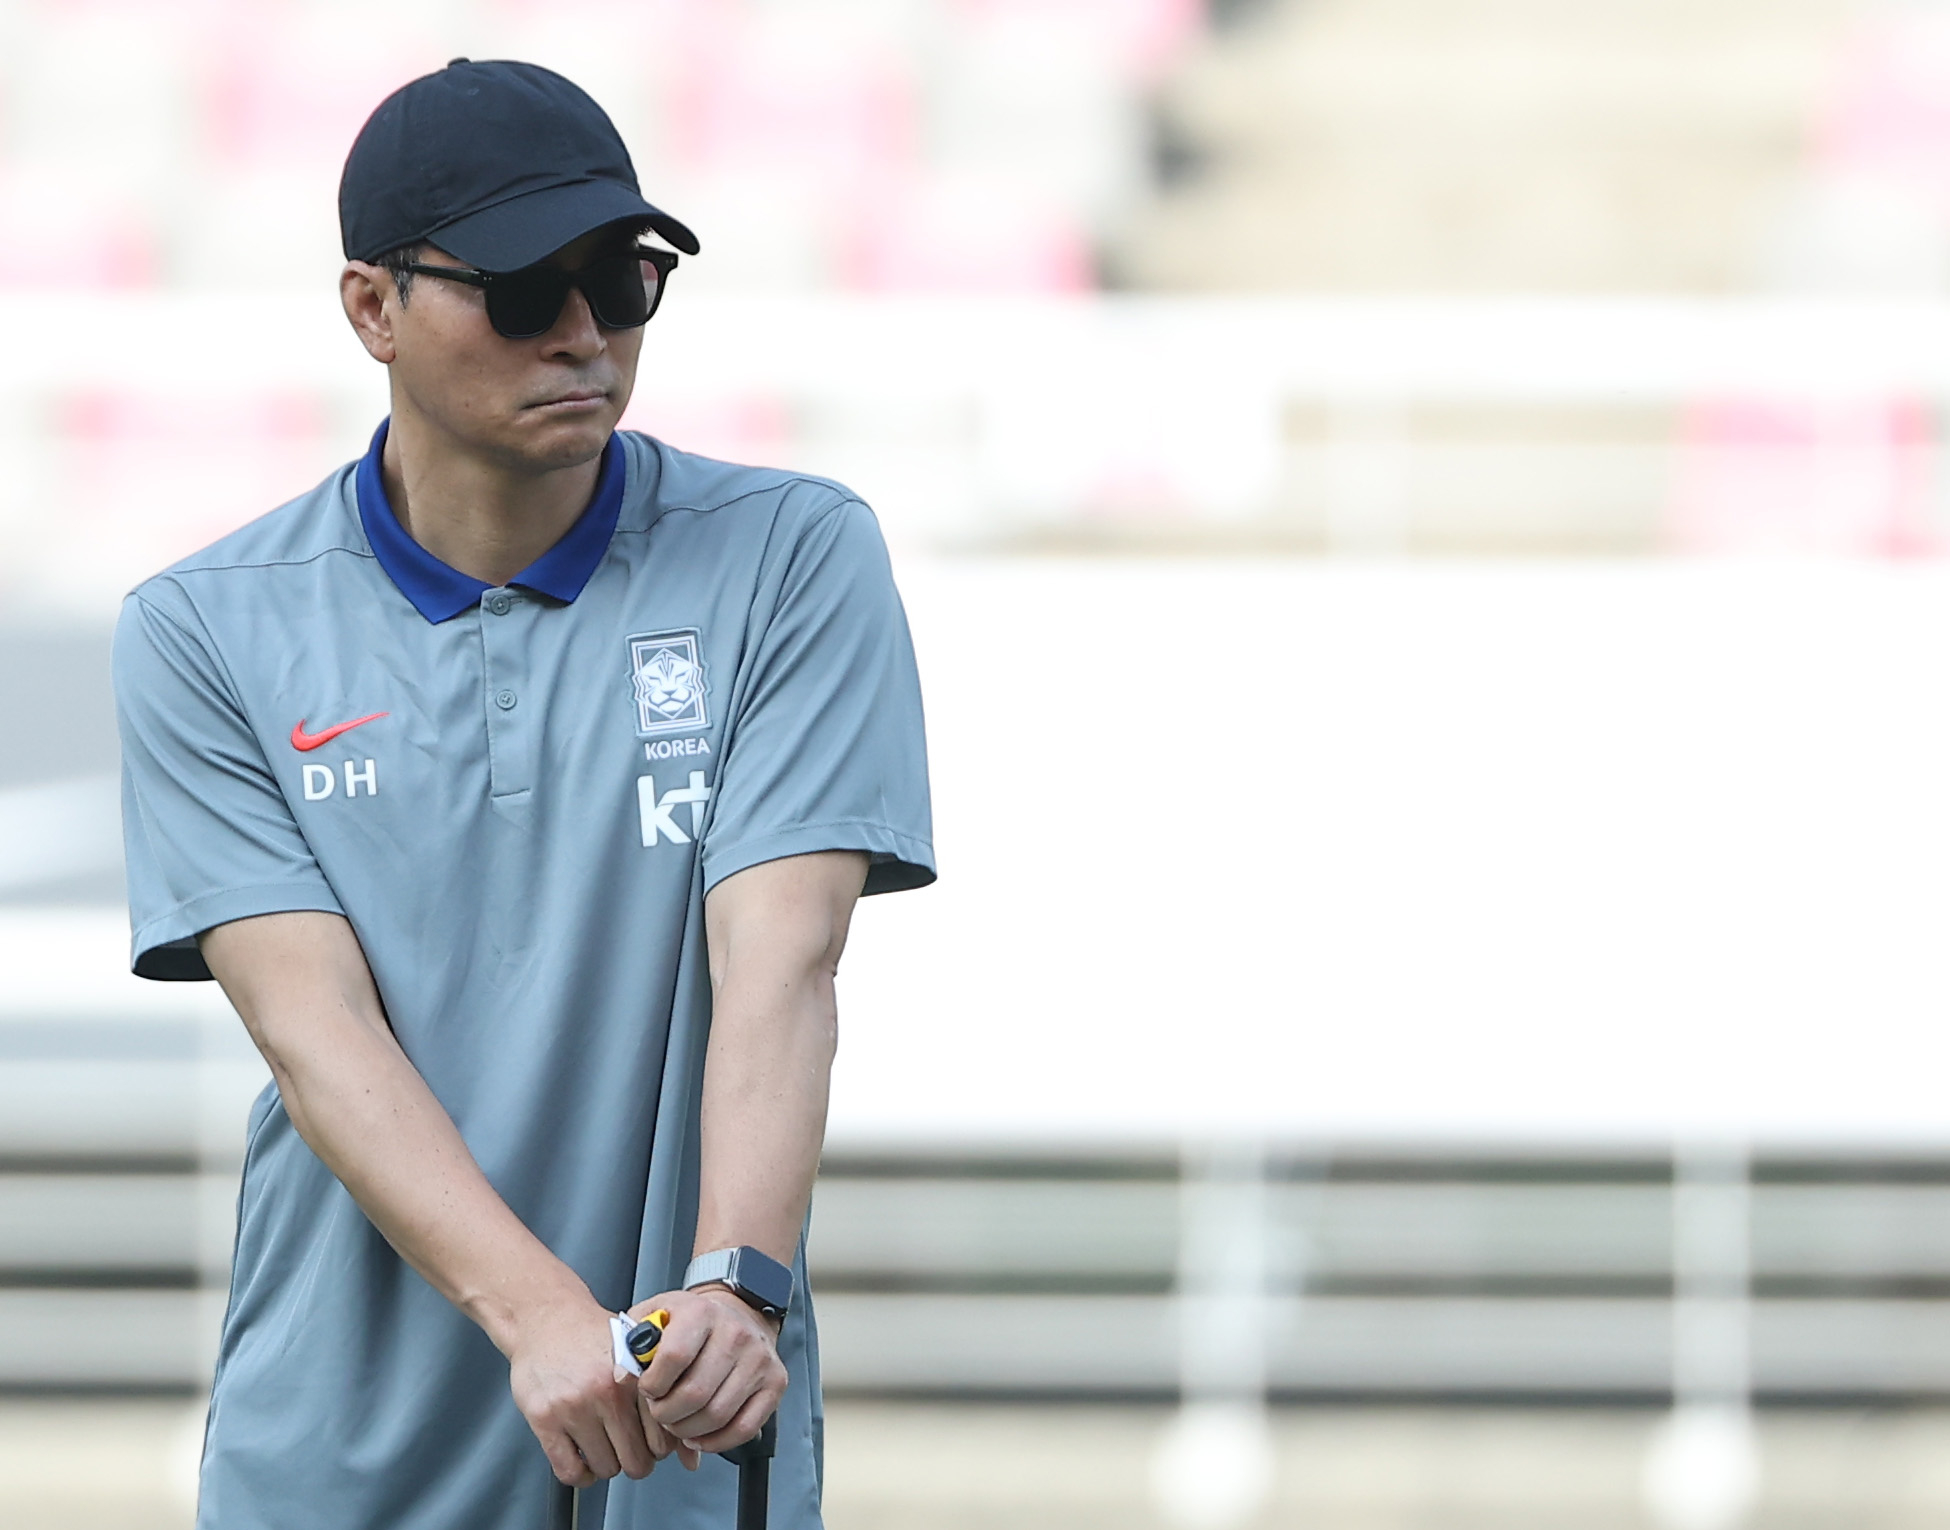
x=526, y=303
x=620, y=289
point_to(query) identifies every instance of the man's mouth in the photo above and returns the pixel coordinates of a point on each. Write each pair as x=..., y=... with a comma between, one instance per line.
x=578, y=398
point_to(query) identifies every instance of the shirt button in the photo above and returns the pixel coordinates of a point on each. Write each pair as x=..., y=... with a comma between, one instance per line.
x=504, y=700
x=499, y=604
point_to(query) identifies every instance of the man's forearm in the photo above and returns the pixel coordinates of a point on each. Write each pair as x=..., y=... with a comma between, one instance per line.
x=764, y=1116
x=301, y=983
x=777, y=931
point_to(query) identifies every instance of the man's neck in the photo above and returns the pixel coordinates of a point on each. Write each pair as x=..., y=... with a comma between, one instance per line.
x=484, y=519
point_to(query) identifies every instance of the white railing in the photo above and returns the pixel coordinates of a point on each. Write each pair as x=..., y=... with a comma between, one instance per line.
x=137, y=426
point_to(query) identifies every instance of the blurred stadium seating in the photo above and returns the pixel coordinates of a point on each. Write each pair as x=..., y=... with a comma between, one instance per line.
x=1032, y=423
x=1525, y=145
x=956, y=152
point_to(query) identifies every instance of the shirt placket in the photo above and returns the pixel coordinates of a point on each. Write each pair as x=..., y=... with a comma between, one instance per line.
x=513, y=713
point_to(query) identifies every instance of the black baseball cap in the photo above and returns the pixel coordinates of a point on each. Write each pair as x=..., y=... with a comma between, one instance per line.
x=500, y=164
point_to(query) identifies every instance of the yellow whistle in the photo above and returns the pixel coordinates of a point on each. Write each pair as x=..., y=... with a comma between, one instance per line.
x=642, y=1340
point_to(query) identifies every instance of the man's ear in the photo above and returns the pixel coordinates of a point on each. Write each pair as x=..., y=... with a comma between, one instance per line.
x=365, y=290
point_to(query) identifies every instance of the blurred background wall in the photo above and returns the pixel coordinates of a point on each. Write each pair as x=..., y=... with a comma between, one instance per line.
x=1423, y=526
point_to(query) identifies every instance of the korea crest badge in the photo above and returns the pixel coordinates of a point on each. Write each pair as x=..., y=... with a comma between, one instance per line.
x=667, y=675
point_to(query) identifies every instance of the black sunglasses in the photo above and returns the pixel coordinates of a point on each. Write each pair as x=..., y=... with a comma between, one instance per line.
x=623, y=291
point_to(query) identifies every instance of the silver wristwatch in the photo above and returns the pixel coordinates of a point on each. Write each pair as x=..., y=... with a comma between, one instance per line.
x=757, y=1279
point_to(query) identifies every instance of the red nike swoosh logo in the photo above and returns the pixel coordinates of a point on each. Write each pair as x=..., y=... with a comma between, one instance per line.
x=300, y=739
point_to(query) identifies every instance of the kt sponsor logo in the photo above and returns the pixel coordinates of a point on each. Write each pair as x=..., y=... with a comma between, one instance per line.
x=656, y=813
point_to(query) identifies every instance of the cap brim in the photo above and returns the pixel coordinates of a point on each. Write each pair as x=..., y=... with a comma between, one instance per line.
x=534, y=225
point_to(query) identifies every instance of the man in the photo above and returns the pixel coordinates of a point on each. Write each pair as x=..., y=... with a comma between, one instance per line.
x=517, y=784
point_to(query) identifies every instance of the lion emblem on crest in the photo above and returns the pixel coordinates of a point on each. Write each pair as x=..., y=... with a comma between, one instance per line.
x=667, y=675
x=667, y=684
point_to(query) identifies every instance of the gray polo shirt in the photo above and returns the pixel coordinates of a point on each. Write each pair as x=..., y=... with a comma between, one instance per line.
x=519, y=797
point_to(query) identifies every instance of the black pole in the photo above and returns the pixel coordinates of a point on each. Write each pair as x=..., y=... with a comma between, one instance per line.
x=754, y=1493
x=754, y=1462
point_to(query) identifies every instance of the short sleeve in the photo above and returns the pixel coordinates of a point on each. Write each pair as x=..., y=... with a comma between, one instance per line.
x=826, y=749
x=207, y=831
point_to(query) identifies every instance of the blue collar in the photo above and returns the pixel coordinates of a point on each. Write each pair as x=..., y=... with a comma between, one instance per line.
x=440, y=593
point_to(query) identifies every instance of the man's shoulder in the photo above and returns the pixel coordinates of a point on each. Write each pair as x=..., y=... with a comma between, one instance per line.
x=687, y=482
x=317, y=524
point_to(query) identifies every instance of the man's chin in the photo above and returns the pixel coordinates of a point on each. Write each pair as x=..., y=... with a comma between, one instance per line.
x=550, y=443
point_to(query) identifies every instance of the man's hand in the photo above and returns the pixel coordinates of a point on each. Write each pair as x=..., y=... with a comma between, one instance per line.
x=563, y=1377
x=716, y=1375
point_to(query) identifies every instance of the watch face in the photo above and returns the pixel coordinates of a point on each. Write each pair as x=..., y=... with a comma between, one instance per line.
x=761, y=1280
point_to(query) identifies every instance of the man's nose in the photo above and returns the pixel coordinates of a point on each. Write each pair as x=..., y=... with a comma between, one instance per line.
x=576, y=332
